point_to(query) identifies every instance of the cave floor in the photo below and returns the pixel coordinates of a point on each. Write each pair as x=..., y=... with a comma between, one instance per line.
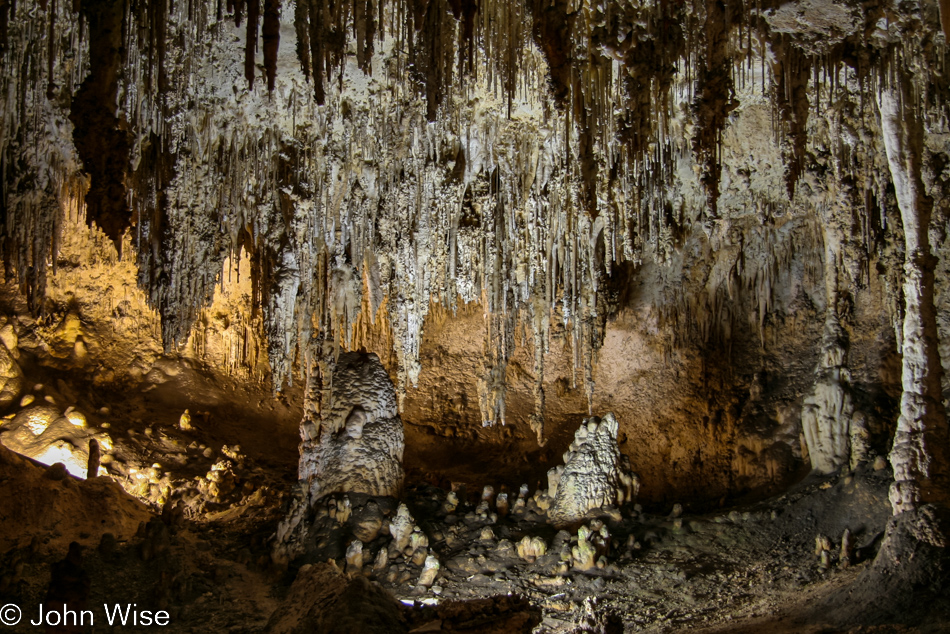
x=746, y=570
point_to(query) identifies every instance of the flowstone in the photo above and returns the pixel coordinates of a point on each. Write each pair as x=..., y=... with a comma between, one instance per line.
x=594, y=475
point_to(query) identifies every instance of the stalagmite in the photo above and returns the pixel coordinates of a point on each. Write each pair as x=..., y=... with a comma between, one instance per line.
x=356, y=444
x=835, y=431
x=920, y=455
x=430, y=571
x=401, y=528
x=92, y=470
x=594, y=475
x=829, y=419
x=530, y=548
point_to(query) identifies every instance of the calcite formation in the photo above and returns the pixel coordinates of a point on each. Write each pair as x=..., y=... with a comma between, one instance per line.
x=835, y=431
x=355, y=443
x=48, y=434
x=11, y=378
x=509, y=153
x=594, y=475
x=530, y=548
x=920, y=454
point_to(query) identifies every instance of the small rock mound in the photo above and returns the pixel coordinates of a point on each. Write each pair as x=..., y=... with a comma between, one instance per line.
x=323, y=599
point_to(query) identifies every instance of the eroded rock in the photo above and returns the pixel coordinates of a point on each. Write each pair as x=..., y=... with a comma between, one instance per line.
x=11, y=378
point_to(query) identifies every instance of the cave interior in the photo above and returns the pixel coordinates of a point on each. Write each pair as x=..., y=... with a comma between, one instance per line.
x=484, y=316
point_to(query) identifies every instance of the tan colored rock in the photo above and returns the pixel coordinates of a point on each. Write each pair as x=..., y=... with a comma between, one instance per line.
x=430, y=571
x=501, y=504
x=354, y=556
x=451, y=502
x=401, y=528
x=10, y=340
x=11, y=378
x=42, y=433
x=585, y=553
x=382, y=560
x=530, y=548
x=367, y=522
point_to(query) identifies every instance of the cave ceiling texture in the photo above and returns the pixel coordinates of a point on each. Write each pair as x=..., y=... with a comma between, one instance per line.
x=310, y=290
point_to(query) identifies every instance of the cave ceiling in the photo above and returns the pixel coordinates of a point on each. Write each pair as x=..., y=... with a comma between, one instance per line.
x=529, y=156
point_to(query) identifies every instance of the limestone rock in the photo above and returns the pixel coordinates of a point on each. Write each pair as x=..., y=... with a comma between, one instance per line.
x=451, y=502
x=429, y=571
x=357, y=443
x=367, y=522
x=530, y=548
x=354, y=556
x=322, y=599
x=836, y=433
x=595, y=474
x=10, y=340
x=846, y=557
x=382, y=560
x=41, y=432
x=585, y=553
x=184, y=421
x=11, y=378
x=501, y=504
x=401, y=528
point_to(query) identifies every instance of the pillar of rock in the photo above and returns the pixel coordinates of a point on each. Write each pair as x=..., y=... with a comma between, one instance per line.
x=355, y=443
x=920, y=452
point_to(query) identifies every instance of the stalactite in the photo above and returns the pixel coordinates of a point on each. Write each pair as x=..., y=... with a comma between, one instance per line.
x=250, y=47
x=791, y=71
x=101, y=142
x=716, y=99
x=6, y=8
x=515, y=154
